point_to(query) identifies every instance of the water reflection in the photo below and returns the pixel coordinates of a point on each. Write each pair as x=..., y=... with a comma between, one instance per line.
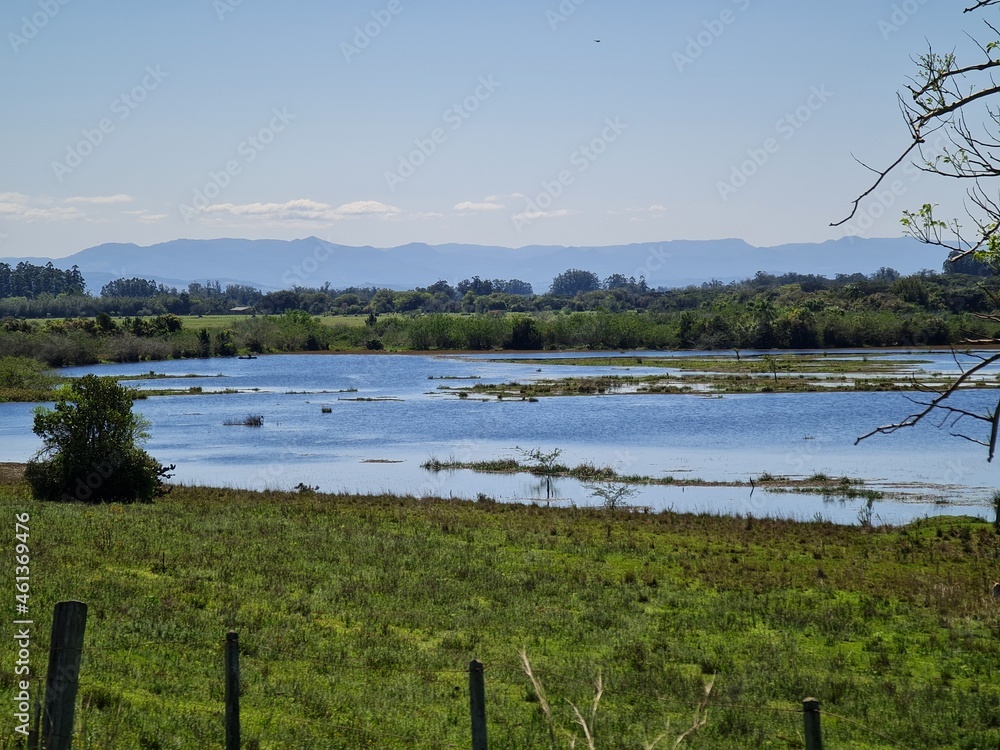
x=719, y=439
x=739, y=501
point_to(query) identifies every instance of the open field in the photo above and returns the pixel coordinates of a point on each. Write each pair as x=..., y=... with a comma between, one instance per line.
x=215, y=323
x=358, y=616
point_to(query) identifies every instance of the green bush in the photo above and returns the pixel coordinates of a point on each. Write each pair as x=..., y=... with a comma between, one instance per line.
x=23, y=373
x=91, y=448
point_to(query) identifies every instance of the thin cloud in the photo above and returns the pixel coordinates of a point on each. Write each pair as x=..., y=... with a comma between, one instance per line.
x=100, y=199
x=533, y=215
x=18, y=206
x=296, y=210
x=470, y=207
x=145, y=217
x=502, y=198
x=655, y=211
x=39, y=208
x=366, y=208
x=303, y=211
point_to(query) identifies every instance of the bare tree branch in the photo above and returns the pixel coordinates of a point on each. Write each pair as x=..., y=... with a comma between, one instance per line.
x=881, y=176
x=954, y=100
x=980, y=4
x=937, y=405
x=941, y=96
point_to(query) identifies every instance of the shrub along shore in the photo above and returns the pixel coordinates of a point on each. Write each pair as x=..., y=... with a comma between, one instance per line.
x=81, y=341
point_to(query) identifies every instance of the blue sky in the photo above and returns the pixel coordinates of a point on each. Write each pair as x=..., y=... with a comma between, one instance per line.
x=391, y=121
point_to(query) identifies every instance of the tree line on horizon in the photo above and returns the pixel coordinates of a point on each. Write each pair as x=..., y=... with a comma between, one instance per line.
x=29, y=281
x=29, y=291
x=766, y=311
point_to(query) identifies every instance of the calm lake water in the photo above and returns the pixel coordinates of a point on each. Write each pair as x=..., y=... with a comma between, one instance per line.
x=378, y=446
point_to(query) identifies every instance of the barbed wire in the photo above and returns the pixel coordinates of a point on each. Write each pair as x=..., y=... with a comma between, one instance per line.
x=218, y=711
x=824, y=712
x=361, y=730
x=507, y=671
x=154, y=642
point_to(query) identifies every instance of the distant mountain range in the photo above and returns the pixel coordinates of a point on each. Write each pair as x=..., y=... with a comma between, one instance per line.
x=310, y=262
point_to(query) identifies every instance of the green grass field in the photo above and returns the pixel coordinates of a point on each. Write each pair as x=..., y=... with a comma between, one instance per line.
x=216, y=323
x=358, y=617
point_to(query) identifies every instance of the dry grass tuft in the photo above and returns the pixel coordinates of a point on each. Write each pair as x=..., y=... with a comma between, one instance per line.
x=700, y=713
x=11, y=473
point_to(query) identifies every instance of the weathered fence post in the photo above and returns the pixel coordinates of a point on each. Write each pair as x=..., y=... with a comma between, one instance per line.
x=477, y=705
x=69, y=621
x=810, y=713
x=33, y=733
x=232, y=691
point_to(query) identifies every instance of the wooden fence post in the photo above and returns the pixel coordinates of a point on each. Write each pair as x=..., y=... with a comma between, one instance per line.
x=477, y=704
x=34, y=734
x=232, y=691
x=69, y=621
x=810, y=713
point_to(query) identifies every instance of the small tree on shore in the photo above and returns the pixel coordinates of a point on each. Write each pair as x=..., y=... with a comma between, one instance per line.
x=545, y=464
x=613, y=496
x=91, y=447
